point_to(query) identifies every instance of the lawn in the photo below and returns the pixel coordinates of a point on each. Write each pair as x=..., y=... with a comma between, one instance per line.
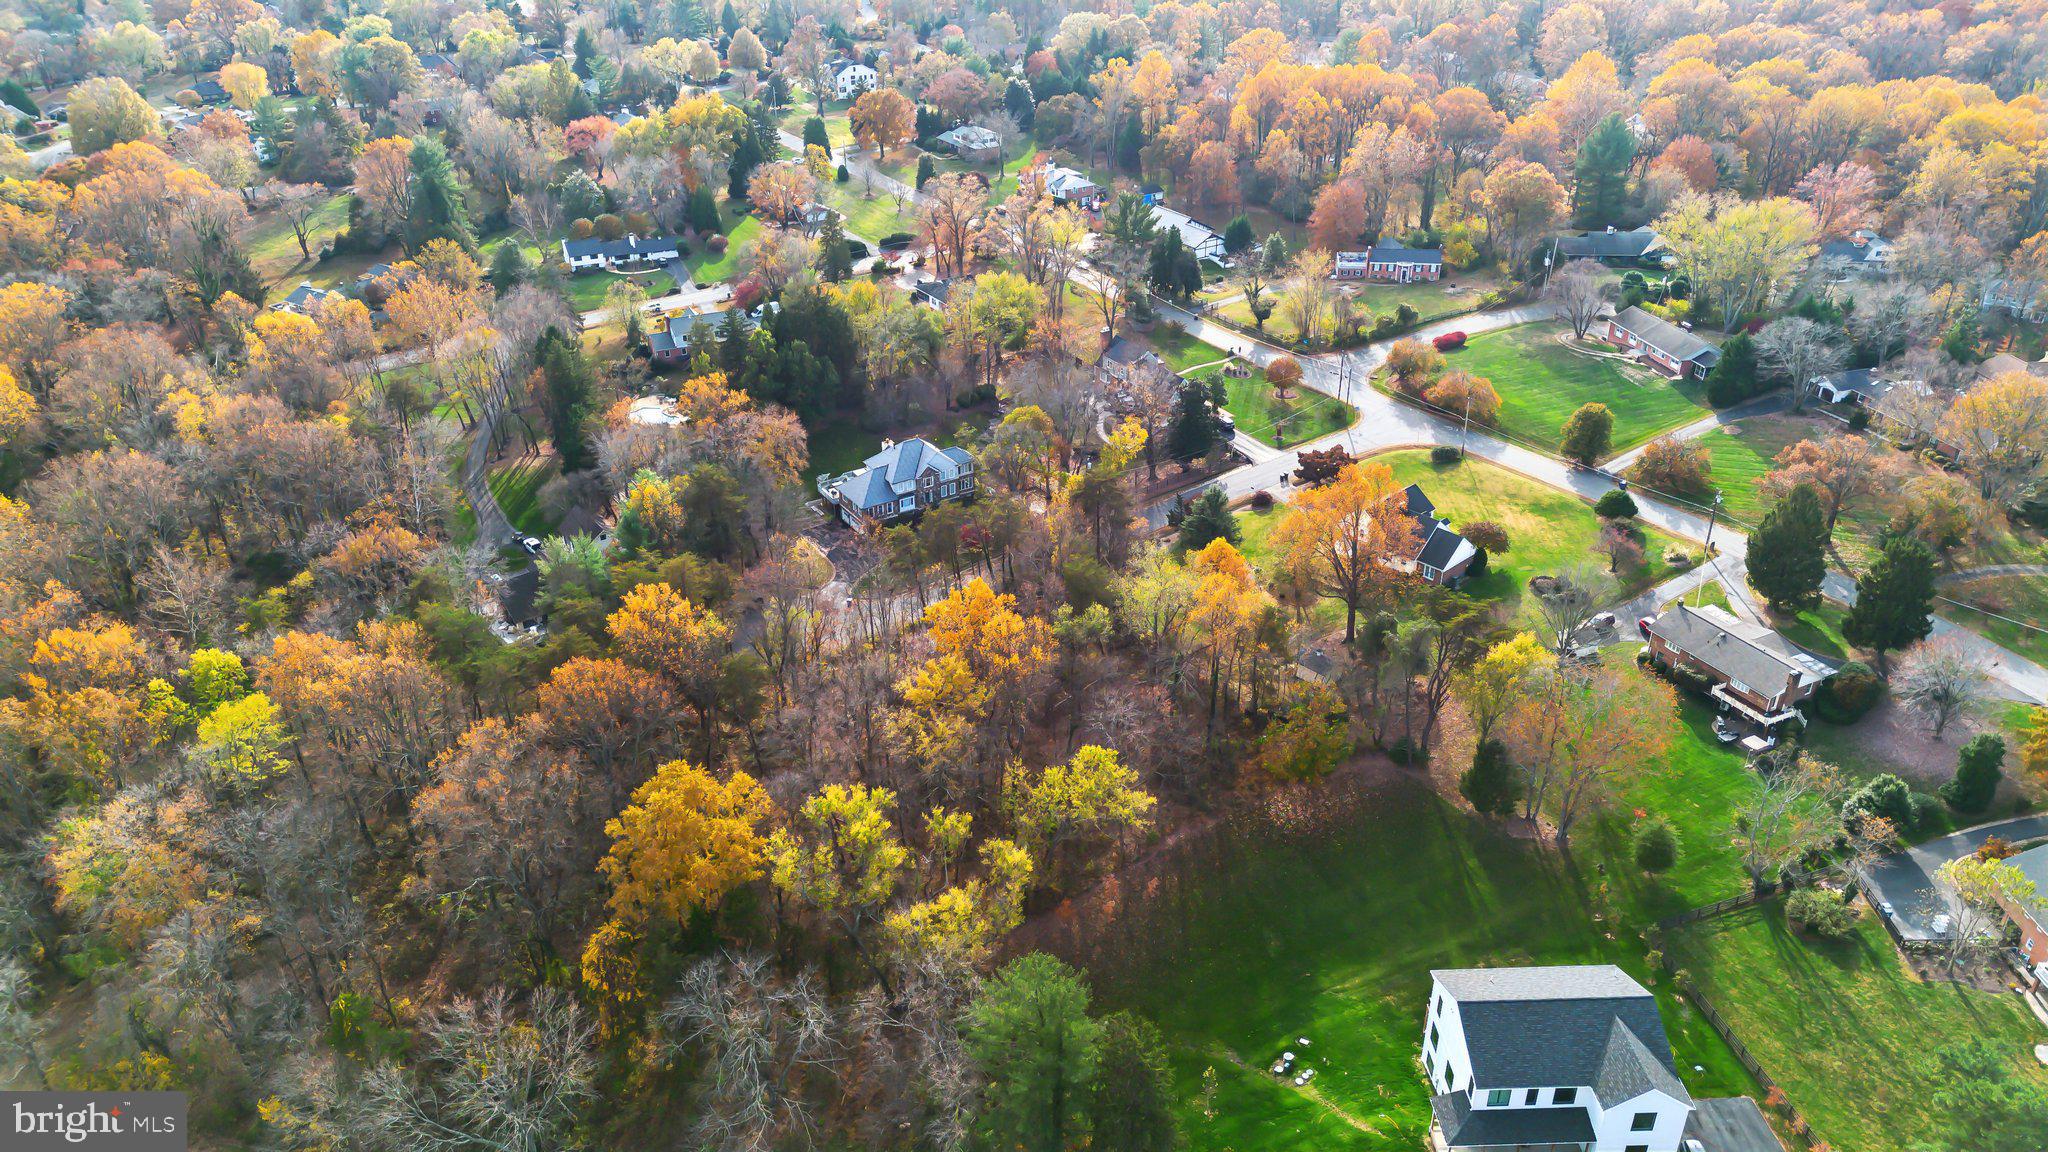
x=1304, y=415
x=1548, y=530
x=517, y=488
x=706, y=268
x=838, y=129
x=2009, y=610
x=1006, y=184
x=838, y=447
x=870, y=218
x=1818, y=630
x=1322, y=919
x=1844, y=1027
x=1183, y=350
x=274, y=247
x=1542, y=383
x=1430, y=301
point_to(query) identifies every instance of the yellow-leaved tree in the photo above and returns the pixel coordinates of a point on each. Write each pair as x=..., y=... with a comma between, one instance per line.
x=842, y=858
x=1345, y=537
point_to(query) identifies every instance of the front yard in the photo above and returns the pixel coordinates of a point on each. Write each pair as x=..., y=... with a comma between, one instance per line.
x=1304, y=415
x=1541, y=383
x=1430, y=301
x=1845, y=1027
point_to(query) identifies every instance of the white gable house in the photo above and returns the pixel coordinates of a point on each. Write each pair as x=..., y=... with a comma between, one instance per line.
x=851, y=79
x=1564, y=1059
x=902, y=480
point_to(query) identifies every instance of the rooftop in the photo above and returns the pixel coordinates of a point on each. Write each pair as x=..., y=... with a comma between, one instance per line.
x=1667, y=337
x=1743, y=651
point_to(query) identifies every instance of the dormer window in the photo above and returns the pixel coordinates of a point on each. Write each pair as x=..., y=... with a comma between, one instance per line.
x=1499, y=1097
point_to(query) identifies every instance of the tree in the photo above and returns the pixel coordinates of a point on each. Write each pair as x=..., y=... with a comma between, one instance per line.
x=1983, y=889
x=1797, y=351
x=1601, y=170
x=1788, y=552
x=1132, y=1110
x=1208, y=517
x=1675, y=465
x=1343, y=534
x=1339, y=217
x=1579, y=291
x=1820, y=912
x=1491, y=785
x=1738, y=253
x=781, y=192
x=1030, y=1035
x=1839, y=469
x=245, y=84
x=1894, y=601
x=105, y=111
x=1587, y=433
x=1655, y=845
x=1091, y=793
x=2001, y=427
x=1978, y=771
x=1990, y=1108
x=683, y=843
x=662, y=631
x=883, y=118
x=1582, y=727
x=840, y=855
x=568, y=384
x=438, y=211
x=1941, y=682
x=1238, y=236
x=1520, y=202
x=1615, y=504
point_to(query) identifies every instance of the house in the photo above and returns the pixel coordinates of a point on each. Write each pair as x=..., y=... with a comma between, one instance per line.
x=2025, y=299
x=1070, y=187
x=1125, y=356
x=1671, y=349
x=210, y=91
x=932, y=293
x=1441, y=555
x=303, y=299
x=1205, y=242
x=1753, y=671
x=1566, y=1058
x=851, y=78
x=814, y=216
x=1636, y=246
x=1389, y=263
x=1862, y=386
x=587, y=255
x=971, y=142
x=2005, y=364
x=2031, y=917
x=438, y=62
x=1862, y=252
x=667, y=346
x=903, y=479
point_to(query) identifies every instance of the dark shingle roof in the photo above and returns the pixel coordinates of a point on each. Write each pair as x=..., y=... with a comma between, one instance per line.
x=1731, y=1124
x=1419, y=504
x=1556, y=1026
x=1631, y=245
x=1628, y=1069
x=1667, y=337
x=1401, y=254
x=1521, y=1128
x=624, y=248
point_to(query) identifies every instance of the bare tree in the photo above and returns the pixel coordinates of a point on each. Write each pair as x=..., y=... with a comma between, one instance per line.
x=1579, y=290
x=1572, y=598
x=1889, y=317
x=1796, y=811
x=1939, y=681
x=21, y=1030
x=761, y=1036
x=1795, y=350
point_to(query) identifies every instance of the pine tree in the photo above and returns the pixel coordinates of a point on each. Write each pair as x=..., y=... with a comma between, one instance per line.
x=1207, y=519
x=1788, y=551
x=1194, y=424
x=1602, y=172
x=508, y=267
x=1894, y=601
x=835, y=257
x=567, y=383
x=1490, y=784
x=815, y=134
x=587, y=55
x=925, y=169
x=1733, y=378
x=1131, y=1109
x=1238, y=235
x=701, y=211
x=1978, y=770
x=745, y=158
x=438, y=212
x=1656, y=846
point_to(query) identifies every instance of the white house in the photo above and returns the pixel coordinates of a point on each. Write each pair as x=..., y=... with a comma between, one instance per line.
x=1566, y=1058
x=593, y=253
x=851, y=79
x=1070, y=187
x=1205, y=242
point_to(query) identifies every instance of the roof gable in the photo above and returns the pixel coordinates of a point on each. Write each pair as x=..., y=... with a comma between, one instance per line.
x=1666, y=337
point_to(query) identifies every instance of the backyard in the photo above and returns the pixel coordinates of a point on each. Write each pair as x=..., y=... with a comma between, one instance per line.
x=1846, y=1029
x=1430, y=301
x=1541, y=383
x=1304, y=415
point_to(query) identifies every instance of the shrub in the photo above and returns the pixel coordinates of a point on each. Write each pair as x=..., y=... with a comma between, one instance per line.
x=1449, y=341
x=1849, y=694
x=1486, y=535
x=609, y=226
x=841, y=175
x=1859, y=419
x=1978, y=769
x=1821, y=913
x=1679, y=558
x=1886, y=796
x=1261, y=500
x=897, y=240
x=1443, y=454
x=1491, y=784
x=718, y=243
x=581, y=228
x=1656, y=846
x=1614, y=504
x=639, y=223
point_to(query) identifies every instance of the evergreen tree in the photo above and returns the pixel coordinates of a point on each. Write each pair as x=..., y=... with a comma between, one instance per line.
x=819, y=320
x=1978, y=771
x=925, y=169
x=1030, y=1035
x=587, y=55
x=714, y=516
x=745, y=158
x=508, y=267
x=1130, y=144
x=728, y=19
x=438, y=212
x=1238, y=235
x=1733, y=378
x=1131, y=1109
x=1018, y=103
x=1490, y=785
x=1602, y=172
x=1894, y=601
x=1274, y=254
x=567, y=383
x=701, y=210
x=1194, y=424
x=1788, y=551
x=1656, y=846
x=1207, y=518
x=815, y=134
x=734, y=340
x=835, y=258
x=16, y=97
x=1588, y=433
x=929, y=123
x=689, y=20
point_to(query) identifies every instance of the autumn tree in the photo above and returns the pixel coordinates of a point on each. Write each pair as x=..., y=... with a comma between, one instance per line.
x=1345, y=537
x=1520, y=202
x=2001, y=427
x=1580, y=729
x=684, y=842
x=840, y=855
x=1739, y=253
x=882, y=118
x=1092, y=793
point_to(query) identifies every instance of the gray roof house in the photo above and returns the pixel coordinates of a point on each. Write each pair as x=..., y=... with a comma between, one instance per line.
x=1442, y=556
x=1853, y=386
x=584, y=255
x=1633, y=244
x=303, y=299
x=1862, y=251
x=1556, y=1059
x=1754, y=671
x=903, y=479
x=971, y=141
x=1678, y=351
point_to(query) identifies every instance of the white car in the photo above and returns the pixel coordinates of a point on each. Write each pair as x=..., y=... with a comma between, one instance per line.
x=531, y=544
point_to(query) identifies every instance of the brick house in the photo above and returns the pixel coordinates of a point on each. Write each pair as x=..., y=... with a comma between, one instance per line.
x=1755, y=672
x=1663, y=345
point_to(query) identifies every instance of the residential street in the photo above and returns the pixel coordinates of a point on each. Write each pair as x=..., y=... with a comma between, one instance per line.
x=1905, y=879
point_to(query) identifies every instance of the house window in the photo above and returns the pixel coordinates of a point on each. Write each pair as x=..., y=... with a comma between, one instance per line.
x=1637, y=1148
x=1432, y=1035
x=1529, y=1099
x=1499, y=1098
x=1644, y=1122
x=1564, y=1095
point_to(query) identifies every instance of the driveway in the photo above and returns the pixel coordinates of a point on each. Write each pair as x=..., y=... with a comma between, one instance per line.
x=1906, y=878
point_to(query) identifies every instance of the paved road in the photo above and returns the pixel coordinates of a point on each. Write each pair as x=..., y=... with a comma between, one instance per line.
x=1906, y=878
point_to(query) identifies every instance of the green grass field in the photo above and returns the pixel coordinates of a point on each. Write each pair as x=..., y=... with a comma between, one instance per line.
x=1541, y=384
x=1304, y=415
x=706, y=268
x=517, y=489
x=1324, y=923
x=870, y=218
x=1844, y=1027
x=2002, y=608
x=1548, y=530
x=274, y=247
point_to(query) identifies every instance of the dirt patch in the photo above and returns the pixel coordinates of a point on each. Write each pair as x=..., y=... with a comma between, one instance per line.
x=1896, y=739
x=1982, y=974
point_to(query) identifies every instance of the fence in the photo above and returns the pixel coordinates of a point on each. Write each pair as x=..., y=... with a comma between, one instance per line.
x=1774, y=1095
